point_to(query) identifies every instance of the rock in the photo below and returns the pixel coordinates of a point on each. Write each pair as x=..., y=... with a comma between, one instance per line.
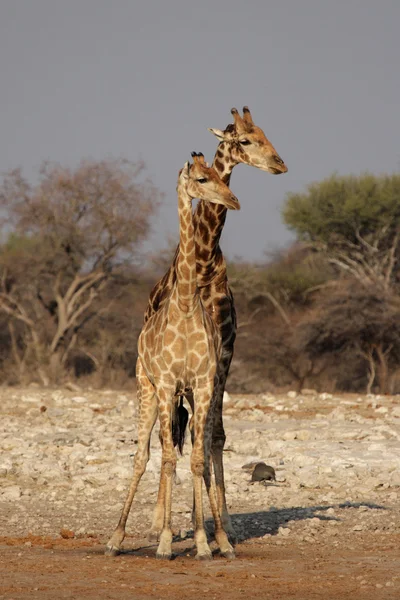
x=394, y=479
x=79, y=400
x=67, y=534
x=325, y=396
x=30, y=398
x=128, y=411
x=396, y=412
x=11, y=493
x=303, y=435
x=73, y=387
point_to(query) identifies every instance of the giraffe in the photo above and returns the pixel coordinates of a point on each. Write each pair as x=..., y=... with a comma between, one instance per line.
x=241, y=142
x=179, y=349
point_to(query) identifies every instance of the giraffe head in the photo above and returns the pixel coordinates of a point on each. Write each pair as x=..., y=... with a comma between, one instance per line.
x=248, y=144
x=203, y=182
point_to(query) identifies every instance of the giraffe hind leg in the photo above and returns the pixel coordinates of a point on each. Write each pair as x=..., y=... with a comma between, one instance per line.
x=218, y=443
x=221, y=536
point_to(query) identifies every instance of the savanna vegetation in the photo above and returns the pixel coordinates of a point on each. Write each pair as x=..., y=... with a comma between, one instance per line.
x=74, y=283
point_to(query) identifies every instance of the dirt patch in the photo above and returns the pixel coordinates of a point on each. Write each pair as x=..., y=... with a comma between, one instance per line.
x=77, y=569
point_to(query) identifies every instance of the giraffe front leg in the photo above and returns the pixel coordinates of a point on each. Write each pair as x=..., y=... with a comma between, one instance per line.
x=197, y=464
x=165, y=400
x=159, y=510
x=147, y=419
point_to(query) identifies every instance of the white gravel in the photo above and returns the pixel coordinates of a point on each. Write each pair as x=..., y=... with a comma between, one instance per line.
x=66, y=462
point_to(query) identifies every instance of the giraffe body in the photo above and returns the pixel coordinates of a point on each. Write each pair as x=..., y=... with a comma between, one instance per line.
x=240, y=142
x=179, y=352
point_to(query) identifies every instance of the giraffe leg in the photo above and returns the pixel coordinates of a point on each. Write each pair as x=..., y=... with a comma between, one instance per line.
x=147, y=419
x=218, y=443
x=197, y=463
x=158, y=514
x=165, y=398
x=220, y=534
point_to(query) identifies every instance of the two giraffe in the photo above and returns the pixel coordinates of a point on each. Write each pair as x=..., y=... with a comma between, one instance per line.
x=240, y=142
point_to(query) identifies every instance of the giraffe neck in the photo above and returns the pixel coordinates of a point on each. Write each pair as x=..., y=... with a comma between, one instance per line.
x=209, y=220
x=186, y=260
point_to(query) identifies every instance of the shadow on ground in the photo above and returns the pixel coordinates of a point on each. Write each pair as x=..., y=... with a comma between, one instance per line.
x=254, y=525
x=257, y=524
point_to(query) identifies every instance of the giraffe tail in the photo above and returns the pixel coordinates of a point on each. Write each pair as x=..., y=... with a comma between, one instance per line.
x=179, y=421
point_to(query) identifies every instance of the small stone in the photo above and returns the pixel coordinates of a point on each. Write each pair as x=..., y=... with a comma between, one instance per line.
x=284, y=531
x=358, y=528
x=79, y=399
x=67, y=534
x=13, y=492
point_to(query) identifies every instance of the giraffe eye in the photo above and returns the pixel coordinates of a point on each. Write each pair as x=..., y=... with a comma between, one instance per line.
x=244, y=142
x=202, y=180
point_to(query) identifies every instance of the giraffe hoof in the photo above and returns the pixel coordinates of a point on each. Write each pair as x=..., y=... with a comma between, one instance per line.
x=163, y=556
x=111, y=551
x=154, y=536
x=232, y=537
x=229, y=554
x=204, y=556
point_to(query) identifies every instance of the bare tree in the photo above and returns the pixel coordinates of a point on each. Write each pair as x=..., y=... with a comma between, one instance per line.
x=70, y=234
x=360, y=318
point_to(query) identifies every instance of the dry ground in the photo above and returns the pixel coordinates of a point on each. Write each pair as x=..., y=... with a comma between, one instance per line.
x=305, y=544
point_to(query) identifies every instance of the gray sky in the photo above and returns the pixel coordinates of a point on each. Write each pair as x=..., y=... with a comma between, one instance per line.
x=100, y=78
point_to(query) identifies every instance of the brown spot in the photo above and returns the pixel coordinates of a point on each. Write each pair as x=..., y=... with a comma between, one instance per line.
x=179, y=346
x=169, y=337
x=219, y=166
x=203, y=229
x=203, y=253
x=212, y=221
x=167, y=356
x=184, y=270
x=220, y=154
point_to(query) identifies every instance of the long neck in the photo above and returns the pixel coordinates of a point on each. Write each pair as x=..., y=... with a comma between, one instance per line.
x=186, y=260
x=209, y=220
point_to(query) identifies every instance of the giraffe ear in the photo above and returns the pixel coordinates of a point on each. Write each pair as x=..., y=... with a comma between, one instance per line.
x=184, y=173
x=218, y=133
